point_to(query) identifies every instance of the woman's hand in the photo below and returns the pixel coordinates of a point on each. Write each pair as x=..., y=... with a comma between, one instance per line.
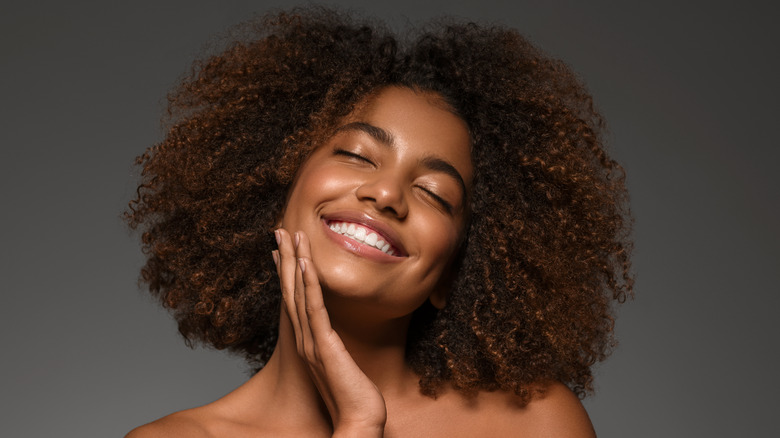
x=356, y=406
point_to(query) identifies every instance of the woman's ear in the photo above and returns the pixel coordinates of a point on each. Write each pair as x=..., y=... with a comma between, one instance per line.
x=439, y=298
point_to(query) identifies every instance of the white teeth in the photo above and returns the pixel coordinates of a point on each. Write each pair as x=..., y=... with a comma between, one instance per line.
x=361, y=234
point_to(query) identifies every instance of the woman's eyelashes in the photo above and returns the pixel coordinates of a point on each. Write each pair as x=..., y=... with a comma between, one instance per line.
x=352, y=155
x=438, y=199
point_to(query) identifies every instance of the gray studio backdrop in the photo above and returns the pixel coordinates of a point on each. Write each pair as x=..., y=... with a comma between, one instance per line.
x=690, y=94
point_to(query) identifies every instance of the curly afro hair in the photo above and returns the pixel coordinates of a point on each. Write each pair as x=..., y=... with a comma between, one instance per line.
x=547, y=247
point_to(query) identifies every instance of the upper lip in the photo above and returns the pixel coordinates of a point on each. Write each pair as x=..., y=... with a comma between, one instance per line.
x=385, y=231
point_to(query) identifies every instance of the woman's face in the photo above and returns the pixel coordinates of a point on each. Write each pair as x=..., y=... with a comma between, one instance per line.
x=384, y=201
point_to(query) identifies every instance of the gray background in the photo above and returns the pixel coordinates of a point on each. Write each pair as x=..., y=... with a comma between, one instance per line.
x=689, y=91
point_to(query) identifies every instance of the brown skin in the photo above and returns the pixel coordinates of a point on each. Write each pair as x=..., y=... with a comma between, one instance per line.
x=358, y=371
x=558, y=414
x=385, y=183
x=389, y=187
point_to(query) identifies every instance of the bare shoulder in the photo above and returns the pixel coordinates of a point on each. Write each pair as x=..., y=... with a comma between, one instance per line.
x=557, y=412
x=187, y=423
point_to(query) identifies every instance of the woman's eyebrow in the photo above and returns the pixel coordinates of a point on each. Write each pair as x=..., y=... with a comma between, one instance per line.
x=376, y=132
x=431, y=163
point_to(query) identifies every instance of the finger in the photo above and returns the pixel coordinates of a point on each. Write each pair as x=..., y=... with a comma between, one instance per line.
x=286, y=270
x=300, y=299
x=316, y=313
x=275, y=256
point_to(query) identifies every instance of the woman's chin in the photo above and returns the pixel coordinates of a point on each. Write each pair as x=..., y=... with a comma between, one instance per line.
x=355, y=300
x=348, y=286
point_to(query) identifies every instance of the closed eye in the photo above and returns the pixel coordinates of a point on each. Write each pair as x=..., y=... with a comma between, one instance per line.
x=441, y=201
x=352, y=155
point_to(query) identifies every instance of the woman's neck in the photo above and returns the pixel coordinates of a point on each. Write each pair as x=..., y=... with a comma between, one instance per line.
x=377, y=347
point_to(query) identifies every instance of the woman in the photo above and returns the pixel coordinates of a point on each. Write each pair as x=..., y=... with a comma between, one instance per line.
x=448, y=233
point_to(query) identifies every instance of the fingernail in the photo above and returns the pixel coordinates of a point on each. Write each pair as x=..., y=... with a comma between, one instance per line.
x=302, y=264
x=297, y=239
x=275, y=256
x=278, y=237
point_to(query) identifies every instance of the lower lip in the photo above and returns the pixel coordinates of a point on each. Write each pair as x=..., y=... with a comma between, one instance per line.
x=359, y=248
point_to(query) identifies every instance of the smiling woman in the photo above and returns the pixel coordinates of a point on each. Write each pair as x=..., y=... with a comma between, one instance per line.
x=394, y=171
x=448, y=232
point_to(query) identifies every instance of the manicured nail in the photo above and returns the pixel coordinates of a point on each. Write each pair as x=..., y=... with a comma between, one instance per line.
x=302, y=264
x=297, y=239
x=275, y=256
x=278, y=237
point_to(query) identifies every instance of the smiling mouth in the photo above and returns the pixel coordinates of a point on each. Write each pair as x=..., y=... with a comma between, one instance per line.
x=363, y=235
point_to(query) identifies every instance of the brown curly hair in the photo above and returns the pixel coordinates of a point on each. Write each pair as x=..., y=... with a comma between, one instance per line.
x=547, y=247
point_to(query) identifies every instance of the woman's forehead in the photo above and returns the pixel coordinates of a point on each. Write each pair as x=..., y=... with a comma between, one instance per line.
x=419, y=120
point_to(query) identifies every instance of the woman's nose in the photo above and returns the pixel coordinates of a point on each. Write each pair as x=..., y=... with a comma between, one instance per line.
x=386, y=194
